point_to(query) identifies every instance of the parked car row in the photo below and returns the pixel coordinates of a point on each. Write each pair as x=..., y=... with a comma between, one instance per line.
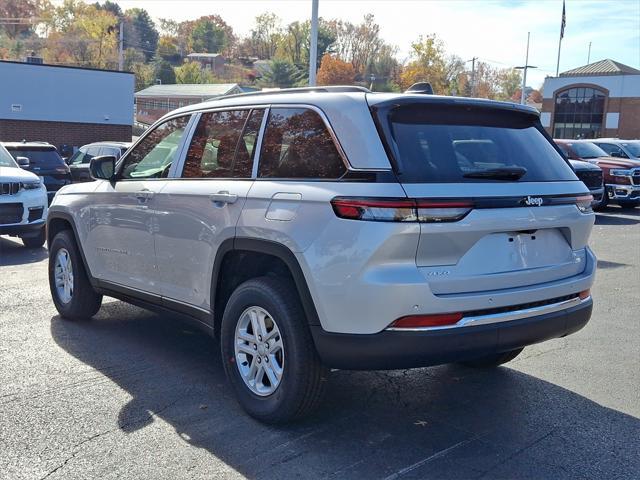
x=620, y=168
x=31, y=173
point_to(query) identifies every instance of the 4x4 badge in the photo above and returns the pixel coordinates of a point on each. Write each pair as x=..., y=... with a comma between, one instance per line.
x=533, y=201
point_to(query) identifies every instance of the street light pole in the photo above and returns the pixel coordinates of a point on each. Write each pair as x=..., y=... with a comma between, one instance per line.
x=524, y=73
x=313, y=50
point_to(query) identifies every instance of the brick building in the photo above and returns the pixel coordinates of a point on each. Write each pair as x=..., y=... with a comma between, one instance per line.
x=153, y=102
x=209, y=61
x=601, y=99
x=64, y=105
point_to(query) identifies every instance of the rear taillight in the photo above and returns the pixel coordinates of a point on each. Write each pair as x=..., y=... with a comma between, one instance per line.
x=401, y=210
x=584, y=203
x=421, y=321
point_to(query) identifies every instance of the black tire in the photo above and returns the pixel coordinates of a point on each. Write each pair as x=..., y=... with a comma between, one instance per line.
x=35, y=241
x=604, y=203
x=628, y=204
x=304, y=377
x=84, y=302
x=493, y=360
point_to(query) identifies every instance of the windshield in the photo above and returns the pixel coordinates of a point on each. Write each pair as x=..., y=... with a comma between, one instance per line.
x=633, y=148
x=6, y=160
x=38, y=157
x=588, y=150
x=461, y=144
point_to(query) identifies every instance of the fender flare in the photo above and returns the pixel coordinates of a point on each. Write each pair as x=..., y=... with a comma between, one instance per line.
x=274, y=249
x=57, y=214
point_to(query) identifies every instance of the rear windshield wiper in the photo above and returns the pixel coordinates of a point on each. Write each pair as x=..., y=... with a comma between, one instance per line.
x=504, y=173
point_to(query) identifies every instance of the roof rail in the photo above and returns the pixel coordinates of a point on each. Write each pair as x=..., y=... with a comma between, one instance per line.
x=327, y=89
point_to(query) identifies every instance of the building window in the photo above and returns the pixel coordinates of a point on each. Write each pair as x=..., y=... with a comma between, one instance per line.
x=579, y=113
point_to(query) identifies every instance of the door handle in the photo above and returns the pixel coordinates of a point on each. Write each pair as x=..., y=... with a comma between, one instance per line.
x=144, y=194
x=223, y=197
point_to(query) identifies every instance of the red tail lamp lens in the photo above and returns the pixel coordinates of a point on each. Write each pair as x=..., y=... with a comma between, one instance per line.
x=420, y=321
x=400, y=210
x=584, y=294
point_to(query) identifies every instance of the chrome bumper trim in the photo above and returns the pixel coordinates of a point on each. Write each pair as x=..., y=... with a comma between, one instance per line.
x=502, y=317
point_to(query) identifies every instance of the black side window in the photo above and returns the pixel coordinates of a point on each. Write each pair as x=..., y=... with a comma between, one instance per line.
x=296, y=144
x=223, y=145
x=153, y=156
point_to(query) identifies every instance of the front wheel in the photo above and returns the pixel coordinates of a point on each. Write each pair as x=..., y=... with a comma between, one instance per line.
x=493, y=360
x=72, y=293
x=268, y=353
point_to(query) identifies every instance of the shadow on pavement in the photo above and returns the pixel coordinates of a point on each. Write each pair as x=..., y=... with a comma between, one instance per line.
x=13, y=252
x=441, y=422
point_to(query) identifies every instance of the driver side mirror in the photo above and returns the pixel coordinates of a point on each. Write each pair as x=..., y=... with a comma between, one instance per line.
x=103, y=167
x=23, y=162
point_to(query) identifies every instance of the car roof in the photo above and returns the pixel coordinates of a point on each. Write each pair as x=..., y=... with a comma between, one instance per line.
x=108, y=144
x=25, y=145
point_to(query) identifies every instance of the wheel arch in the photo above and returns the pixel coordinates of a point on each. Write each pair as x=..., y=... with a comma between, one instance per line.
x=57, y=222
x=261, y=257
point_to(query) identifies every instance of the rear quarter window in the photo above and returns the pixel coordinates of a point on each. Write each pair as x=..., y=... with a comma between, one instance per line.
x=450, y=144
x=297, y=144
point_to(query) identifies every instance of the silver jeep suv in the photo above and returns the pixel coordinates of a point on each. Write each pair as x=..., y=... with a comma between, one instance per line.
x=325, y=228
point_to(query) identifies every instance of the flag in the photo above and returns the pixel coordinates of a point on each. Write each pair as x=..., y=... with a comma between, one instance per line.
x=564, y=21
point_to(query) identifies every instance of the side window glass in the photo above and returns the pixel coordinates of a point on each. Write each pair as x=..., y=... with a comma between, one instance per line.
x=79, y=157
x=213, y=146
x=246, y=150
x=296, y=144
x=91, y=152
x=153, y=156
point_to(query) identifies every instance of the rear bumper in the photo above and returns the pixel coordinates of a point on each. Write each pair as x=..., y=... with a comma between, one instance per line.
x=398, y=349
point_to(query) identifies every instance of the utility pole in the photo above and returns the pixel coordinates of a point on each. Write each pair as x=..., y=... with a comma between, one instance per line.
x=313, y=51
x=473, y=75
x=589, y=54
x=524, y=73
x=121, y=47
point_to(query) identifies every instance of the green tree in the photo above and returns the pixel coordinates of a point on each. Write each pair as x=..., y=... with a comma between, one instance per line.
x=191, y=72
x=281, y=74
x=144, y=74
x=164, y=72
x=146, y=32
x=206, y=37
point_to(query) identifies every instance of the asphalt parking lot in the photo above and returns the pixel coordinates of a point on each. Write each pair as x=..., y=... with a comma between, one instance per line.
x=131, y=394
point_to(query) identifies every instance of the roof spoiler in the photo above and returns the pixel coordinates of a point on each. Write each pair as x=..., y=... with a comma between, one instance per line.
x=424, y=88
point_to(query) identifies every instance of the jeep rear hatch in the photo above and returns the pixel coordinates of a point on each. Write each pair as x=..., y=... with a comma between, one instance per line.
x=499, y=206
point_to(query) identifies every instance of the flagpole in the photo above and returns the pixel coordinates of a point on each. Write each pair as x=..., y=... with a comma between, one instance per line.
x=562, y=24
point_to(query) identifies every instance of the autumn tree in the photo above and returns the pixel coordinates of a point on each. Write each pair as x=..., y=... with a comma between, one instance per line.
x=334, y=71
x=266, y=35
x=28, y=11
x=165, y=73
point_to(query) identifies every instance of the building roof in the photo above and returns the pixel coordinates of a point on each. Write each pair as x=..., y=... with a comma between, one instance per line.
x=205, y=90
x=603, y=67
x=203, y=55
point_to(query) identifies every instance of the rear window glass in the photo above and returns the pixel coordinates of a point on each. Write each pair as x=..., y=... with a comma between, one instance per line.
x=42, y=158
x=453, y=144
x=297, y=144
x=588, y=150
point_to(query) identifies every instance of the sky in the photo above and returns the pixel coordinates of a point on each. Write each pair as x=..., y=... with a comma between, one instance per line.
x=492, y=30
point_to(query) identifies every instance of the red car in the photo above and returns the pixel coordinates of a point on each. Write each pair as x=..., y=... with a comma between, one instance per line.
x=621, y=175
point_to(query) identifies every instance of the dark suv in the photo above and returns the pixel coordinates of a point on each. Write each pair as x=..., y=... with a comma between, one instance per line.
x=79, y=161
x=44, y=161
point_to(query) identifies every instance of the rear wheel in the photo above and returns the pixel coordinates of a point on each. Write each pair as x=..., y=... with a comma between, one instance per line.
x=493, y=360
x=35, y=241
x=268, y=353
x=72, y=294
